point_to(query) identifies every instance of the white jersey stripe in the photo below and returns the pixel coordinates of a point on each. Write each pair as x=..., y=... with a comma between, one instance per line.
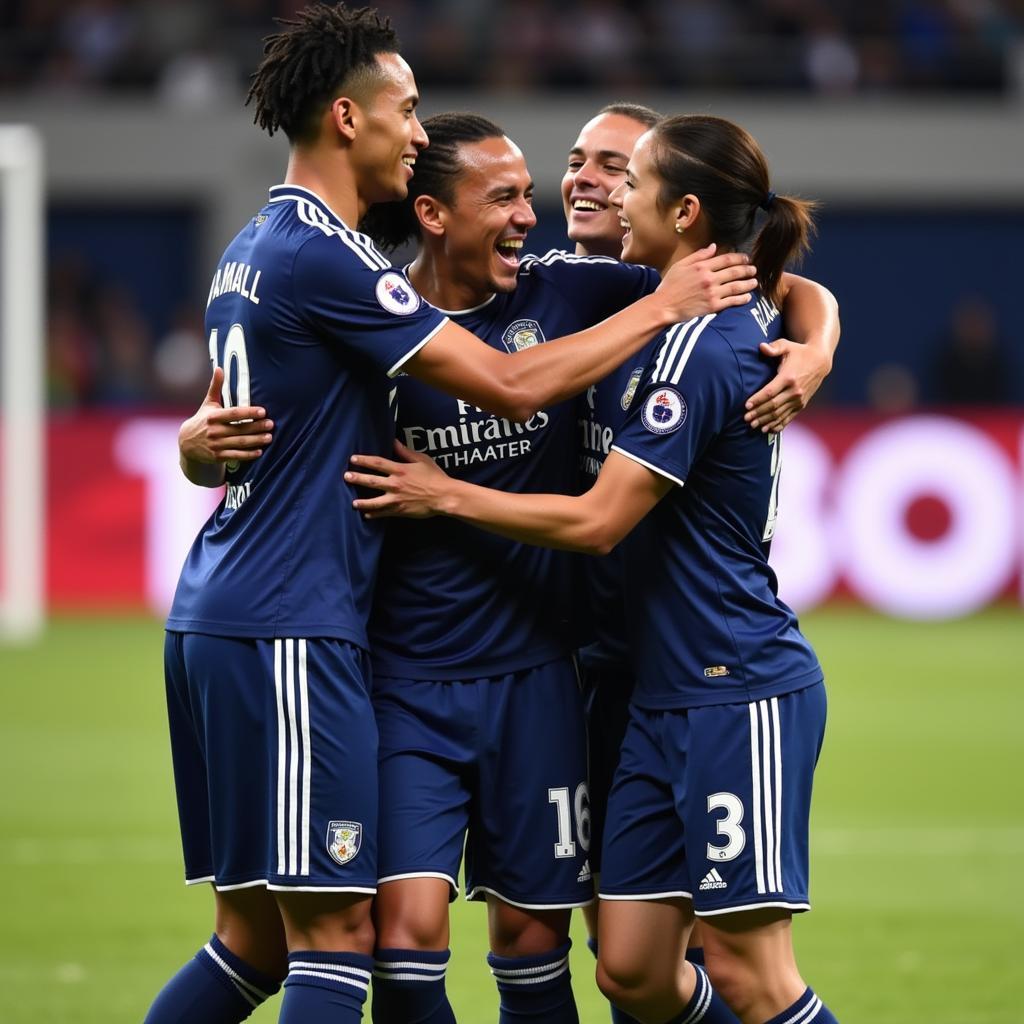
x=282, y=756
x=314, y=217
x=755, y=797
x=663, y=348
x=777, y=729
x=307, y=757
x=677, y=373
x=673, y=340
x=365, y=243
x=293, y=758
x=767, y=741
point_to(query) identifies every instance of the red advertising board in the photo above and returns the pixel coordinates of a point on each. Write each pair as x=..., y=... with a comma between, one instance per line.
x=919, y=516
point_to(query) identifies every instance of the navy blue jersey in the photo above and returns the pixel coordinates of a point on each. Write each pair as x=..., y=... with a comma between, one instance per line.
x=602, y=410
x=455, y=602
x=706, y=623
x=309, y=321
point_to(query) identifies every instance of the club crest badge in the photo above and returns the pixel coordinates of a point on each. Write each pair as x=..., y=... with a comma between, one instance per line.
x=344, y=838
x=634, y=383
x=664, y=411
x=522, y=334
x=396, y=295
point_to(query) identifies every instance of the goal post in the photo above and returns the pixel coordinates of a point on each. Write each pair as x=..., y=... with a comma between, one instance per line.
x=22, y=401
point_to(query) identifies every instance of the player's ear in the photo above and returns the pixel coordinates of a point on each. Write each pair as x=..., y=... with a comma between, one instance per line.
x=431, y=214
x=344, y=115
x=686, y=211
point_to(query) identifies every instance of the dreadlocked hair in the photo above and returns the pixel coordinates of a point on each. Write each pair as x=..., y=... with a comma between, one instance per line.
x=722, y=165
x=305, y=65
x=438, y=169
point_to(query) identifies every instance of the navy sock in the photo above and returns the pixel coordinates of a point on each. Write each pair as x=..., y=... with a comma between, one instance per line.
x=325, y=988
x=806, y=1009
x=214, y=987
x=537, y=988
x=592, y=945
x=408, y=987
x=717, y=1009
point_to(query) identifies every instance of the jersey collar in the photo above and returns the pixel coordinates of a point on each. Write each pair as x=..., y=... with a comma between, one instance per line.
x=279, y=193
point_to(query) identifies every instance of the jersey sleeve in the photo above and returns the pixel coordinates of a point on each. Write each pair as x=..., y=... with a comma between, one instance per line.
x=352, y=295
x=597, y=286
x=689, y=394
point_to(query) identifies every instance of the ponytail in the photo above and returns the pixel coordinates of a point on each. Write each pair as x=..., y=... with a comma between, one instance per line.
x=784, y=238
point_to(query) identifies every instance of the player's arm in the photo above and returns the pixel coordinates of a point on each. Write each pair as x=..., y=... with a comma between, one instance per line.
x=214, y=436
x=812, y=321
x=518, y=385
x=593, y=522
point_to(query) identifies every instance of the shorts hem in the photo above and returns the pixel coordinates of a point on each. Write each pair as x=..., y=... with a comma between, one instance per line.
x=668, y=894
x=252, y=883
x=479, y=892
x=200, y=880
x=369, y=890
x=741, y=908
x=422, y=874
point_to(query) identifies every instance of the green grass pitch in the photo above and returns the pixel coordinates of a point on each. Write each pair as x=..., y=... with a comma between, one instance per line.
x=918, y=833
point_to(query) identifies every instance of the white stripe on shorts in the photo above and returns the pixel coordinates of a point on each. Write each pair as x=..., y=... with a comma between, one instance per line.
x=282, y=755
x=293, y=752
x=766, y=793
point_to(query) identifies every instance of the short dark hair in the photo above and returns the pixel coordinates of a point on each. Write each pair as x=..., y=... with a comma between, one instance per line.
x=722, y=164
x=635, y=111
x=438, y=169
x=306, y=64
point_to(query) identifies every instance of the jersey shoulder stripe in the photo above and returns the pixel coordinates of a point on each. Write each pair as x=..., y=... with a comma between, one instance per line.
x=675, y=354
x=553, y=256
x=359, y=244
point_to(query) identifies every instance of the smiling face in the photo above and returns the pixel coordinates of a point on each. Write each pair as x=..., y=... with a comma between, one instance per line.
x=486, y=224
x=390, y=135
x=597, y=166
x=650, y=229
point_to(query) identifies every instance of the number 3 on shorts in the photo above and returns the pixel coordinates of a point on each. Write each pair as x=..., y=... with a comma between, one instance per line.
x=729, y=826
x=565, y=847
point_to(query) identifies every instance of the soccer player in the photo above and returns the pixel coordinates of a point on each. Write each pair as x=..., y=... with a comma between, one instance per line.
x=596, y=167
x=706, y=819
x=273, y=738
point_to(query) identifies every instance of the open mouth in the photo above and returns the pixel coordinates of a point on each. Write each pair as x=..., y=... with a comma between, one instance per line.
x=410, y=162
x=508, y=250
x=587, y=206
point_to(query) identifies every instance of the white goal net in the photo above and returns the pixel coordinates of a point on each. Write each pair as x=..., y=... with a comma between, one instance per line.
x=22, y=405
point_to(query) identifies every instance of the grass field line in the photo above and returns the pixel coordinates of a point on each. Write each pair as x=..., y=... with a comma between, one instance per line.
x=925, y=841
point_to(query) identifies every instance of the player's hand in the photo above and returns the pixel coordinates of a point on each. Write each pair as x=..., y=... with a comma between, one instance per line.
x=705, y=283
x=413, y=487
x=801, y=370
x=214, y=434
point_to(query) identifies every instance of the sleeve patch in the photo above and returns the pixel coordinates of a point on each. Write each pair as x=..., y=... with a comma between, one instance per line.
x=664, y=411
x=396, y=295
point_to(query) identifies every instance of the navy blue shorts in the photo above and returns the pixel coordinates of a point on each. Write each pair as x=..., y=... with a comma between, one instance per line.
x=713, y=804
x=275, y=762
x=499, y=764
x=607, y=693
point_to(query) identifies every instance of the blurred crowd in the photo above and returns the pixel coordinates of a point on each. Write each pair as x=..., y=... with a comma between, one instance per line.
x=200, y=51
x=102, y=350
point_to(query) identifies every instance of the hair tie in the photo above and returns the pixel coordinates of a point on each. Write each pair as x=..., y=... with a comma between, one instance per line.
x=766, y=203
